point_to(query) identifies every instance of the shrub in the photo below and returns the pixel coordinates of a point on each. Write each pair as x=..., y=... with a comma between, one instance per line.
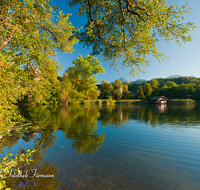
x=8, y=163
x=110, y=100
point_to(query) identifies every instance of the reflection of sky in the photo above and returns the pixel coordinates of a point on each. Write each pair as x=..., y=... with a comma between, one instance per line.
x=20, y=144
x=183, y=61
x=136, y=156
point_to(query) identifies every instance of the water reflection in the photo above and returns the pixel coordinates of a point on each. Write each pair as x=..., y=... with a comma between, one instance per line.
x=124, y=155
x=37, y=167
x=155, y=115
x=162, y=108
x=78, y=124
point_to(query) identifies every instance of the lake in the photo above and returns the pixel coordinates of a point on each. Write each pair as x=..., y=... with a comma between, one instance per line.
x=118, y=147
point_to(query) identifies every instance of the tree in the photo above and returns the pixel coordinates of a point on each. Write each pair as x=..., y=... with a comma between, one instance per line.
x=154, y=84
x=174, y=92
x=82, y=75
x=29, y=39
x=118, y=89
x=187, y=90
x=130, y=29
x=147, y=89
x=170, y=84
x=105, y=89
x=10, y=91
x=142, y=96
x=126, y=93
x=65, y=88
x=30, y=36
x=197, y=94
x=133, y=87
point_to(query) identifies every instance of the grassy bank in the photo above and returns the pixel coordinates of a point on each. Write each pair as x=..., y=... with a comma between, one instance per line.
x=180, y=101
x=138, y=101
x=107, y=102
x=131, y=101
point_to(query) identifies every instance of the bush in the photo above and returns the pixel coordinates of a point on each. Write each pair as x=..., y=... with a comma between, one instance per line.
x=110, y=100
x=8, y=163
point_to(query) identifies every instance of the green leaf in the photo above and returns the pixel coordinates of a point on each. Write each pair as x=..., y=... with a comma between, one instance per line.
x=2, y=184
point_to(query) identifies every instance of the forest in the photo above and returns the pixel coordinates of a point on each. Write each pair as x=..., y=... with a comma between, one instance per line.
x=172, y=88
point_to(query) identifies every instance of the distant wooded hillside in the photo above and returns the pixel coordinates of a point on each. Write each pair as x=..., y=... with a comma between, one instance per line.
x=181, y=87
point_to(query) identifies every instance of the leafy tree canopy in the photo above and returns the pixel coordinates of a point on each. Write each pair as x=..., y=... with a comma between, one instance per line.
x=30, y=34
x=116, y=90
x=82, y=75
x=130, y=29
x=154, y=83
x=32, y=31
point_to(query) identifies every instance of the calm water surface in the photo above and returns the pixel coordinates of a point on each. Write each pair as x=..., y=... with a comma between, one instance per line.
x=117, y=147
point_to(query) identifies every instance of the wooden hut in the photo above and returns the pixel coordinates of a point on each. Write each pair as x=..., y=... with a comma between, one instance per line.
x=158, y=100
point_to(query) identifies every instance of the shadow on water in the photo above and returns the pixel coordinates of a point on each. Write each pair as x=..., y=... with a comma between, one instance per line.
x=70, y=144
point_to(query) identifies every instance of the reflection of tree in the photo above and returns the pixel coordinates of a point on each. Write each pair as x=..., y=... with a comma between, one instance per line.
x=40, y=119
x=42, y=116
x=114, y=115
x=184, y=115
x=43, y=168
x=81, y=126
x=152, y=114
x=80, y=123
x=36, y=115
x=9, y=141
x=25, y=132
x=77, y=122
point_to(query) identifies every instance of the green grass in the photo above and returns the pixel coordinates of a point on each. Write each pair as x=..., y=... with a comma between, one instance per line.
x=127, y=101
x=182, y=100
x=107, y=101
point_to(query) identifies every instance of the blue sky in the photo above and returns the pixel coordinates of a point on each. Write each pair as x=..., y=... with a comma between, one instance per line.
x=183, y=61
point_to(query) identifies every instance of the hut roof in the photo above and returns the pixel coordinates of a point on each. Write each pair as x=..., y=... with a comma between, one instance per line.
x=158, y=97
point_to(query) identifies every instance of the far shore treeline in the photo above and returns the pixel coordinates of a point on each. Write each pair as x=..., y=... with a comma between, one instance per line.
x=172, y=88
x=77, y=85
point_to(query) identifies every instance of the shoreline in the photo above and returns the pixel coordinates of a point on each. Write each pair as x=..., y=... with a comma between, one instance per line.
x=133, y=101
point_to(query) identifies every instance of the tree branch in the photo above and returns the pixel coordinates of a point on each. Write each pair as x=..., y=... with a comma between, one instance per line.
x=34, y=69
x=135, y=13
x=5, y=41
x=135, y=6
x=54, y=37
x=122, y=11
x=90, y=10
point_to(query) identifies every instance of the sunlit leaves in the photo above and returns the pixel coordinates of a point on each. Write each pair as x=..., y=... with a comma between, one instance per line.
x=116, y=90
x=129, y=31
x=7, y=163
x=30, y=34
x=82, y=76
